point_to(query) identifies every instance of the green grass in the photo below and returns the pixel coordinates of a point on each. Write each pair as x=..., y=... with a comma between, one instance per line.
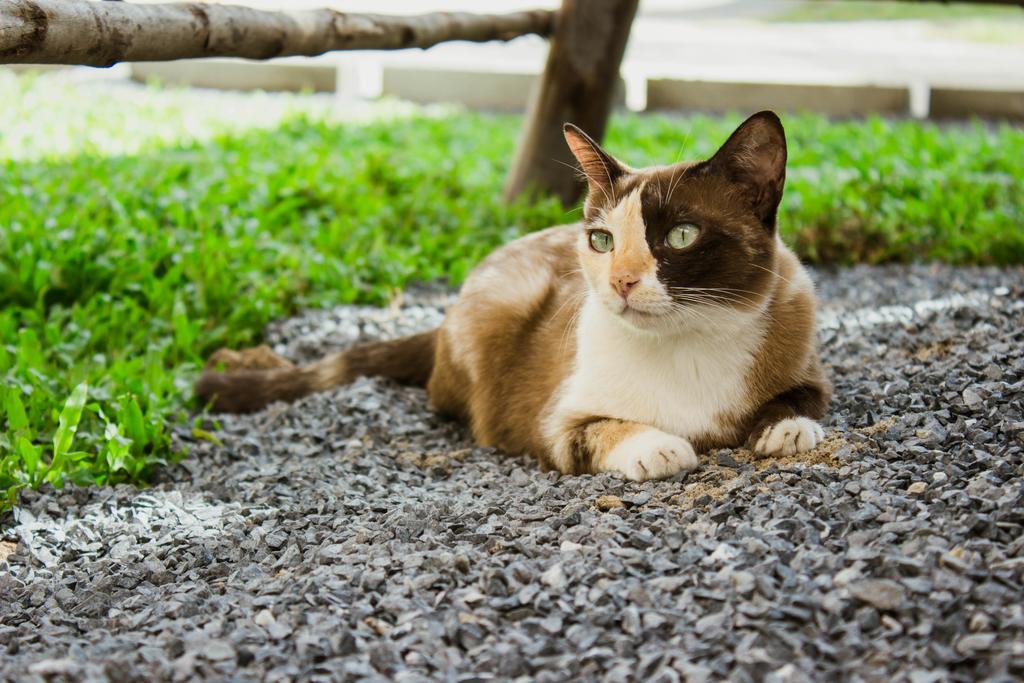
x=875, y=10
x=972, y=22
x=139, y=232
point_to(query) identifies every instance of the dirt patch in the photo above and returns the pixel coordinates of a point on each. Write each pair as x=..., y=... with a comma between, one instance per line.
x=433, y=459
x=718, y=479
x=715, y=486
x=823, y=454
x=606, y=503
x=7, y=549
x=880, y=426
x=932, y=351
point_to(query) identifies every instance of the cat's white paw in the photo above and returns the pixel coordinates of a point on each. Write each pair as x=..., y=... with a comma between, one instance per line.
x=650, y=454
x=789, y=437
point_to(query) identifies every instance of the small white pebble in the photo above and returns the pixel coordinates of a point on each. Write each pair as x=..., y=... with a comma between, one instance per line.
x=891, y=624
x=264, y=617
x=554, y=576
x=979, y=622
x=844, y=576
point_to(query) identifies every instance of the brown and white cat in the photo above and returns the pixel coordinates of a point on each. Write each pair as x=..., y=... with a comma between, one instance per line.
x=671, y=320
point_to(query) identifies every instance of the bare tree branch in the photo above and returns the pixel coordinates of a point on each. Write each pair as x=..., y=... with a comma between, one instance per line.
x=105, y=33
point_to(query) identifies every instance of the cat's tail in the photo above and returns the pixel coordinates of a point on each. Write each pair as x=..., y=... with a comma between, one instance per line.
x=409, y=360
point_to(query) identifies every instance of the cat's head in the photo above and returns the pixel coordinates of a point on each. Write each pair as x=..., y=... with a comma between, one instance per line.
x=673, y=247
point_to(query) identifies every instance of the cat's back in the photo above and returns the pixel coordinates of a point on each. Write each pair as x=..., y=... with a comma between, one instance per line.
x=508, y=341
x=518, y=275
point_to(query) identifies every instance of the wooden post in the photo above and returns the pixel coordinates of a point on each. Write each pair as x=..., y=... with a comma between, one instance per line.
x=578, y=86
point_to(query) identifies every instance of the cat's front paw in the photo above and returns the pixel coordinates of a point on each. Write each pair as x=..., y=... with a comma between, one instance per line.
x=651, y=454
x=789, y=437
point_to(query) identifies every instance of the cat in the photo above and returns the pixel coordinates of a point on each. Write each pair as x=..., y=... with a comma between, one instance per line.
x=671, y=320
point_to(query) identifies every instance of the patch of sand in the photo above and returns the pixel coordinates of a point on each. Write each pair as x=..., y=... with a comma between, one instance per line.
x=442, y=460
x=936, y=350
x=880, y=426
x=7, y=549
x=606, y=503
x=718, y=479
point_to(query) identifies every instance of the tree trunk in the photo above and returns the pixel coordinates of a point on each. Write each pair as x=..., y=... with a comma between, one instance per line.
x=105, y=33
x=578, y=86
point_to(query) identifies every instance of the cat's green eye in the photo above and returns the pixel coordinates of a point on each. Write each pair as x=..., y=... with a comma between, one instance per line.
x=601, y=241
x=682, y=236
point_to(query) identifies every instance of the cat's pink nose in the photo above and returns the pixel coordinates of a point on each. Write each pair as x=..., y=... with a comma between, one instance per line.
x=624, y=283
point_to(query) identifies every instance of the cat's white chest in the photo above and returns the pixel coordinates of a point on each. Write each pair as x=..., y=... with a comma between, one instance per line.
x=681, y=384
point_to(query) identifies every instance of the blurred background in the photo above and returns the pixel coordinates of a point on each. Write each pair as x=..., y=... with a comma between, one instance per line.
x=831, y=56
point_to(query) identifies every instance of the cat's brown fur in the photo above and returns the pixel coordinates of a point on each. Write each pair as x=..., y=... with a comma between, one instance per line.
x=537, y=358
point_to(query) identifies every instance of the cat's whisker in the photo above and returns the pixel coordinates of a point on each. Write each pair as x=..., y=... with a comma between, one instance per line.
x=718, y=301
x=611, y=183
x=682, y=146
x=671, y=180
x=769, y=270
x=727, y=303
x=573, y=299
x=671, y=183
x=691, y=310
x=570, y=327
x=712, y=289
x=675, y=181
x=730, y=297
x=570, y=273
x=702, y=304
x=721, y=301
x=685, y=319
x=723, y=293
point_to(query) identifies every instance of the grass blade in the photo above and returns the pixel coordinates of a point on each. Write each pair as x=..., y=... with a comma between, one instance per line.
x=17, y=420
x=65, y=434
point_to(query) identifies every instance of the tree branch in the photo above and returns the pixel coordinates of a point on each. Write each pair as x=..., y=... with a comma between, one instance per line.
x=105, y=33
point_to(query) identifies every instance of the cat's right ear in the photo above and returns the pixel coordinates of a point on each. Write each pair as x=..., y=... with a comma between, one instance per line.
x=600, y=167
x=754, y=157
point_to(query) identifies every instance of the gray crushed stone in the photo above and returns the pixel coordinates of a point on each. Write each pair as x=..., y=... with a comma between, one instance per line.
x=354, y=536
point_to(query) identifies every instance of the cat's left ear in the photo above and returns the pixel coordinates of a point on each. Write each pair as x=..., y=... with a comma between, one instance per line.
x=600, y=167
x=754, y=157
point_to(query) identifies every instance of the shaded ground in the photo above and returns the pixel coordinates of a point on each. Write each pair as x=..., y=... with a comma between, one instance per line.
x=355, y=536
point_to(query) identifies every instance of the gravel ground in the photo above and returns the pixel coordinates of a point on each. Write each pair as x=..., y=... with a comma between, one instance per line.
x=354, y=536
